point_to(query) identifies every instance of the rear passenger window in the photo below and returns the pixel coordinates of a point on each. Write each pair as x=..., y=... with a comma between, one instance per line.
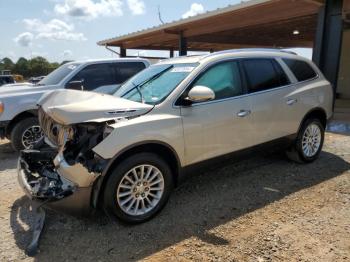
x=95, y=76
x=124, y=71
x=302, y=70
x=264, y=74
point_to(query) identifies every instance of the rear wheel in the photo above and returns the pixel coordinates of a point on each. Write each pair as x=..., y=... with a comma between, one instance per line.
x=25, y=134
x=138, y=188
x=309, y=142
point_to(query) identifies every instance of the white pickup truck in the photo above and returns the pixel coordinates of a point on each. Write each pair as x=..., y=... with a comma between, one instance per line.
x=18, y=104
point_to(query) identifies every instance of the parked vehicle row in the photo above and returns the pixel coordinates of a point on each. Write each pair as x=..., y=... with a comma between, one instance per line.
x=126, y=151
x=18, y=103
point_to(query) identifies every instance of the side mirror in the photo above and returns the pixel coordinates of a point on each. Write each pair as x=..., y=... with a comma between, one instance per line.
x=200, y=94
x=75, y=85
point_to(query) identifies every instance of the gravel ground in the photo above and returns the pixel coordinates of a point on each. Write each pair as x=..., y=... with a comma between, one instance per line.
x=261, y=209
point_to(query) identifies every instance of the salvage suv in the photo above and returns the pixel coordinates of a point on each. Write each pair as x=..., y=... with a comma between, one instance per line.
x=18, y=104
x=126, y=152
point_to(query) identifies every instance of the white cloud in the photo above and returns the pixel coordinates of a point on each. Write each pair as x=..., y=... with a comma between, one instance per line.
x=55, y=29
x=68, y=36
x=194, y=10
x=67, y=53
x=137, y=7
x=89, y=9
x=24, y=39
x=53, y=25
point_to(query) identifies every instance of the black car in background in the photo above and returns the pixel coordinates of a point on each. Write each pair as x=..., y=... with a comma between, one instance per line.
x=6, y=79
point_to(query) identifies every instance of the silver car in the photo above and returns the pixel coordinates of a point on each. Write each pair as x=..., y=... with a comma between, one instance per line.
x=125, y=152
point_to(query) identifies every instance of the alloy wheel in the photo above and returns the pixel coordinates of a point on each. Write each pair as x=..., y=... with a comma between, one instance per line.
x=311, y=140
x=140, y=190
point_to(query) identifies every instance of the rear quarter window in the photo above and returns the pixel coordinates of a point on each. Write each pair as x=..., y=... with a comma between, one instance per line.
x=301, y=69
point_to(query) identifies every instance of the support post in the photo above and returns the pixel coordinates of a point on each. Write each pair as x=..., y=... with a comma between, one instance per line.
x=172, y=52
x=182, y=45
x=328, y=41
x=122, y=52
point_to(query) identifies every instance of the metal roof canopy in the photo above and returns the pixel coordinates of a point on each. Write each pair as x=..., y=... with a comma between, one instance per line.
x=262, y=23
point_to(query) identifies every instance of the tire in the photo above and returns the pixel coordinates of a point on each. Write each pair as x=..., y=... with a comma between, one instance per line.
x=19, y=130
x=114, y=189
x=297, y=153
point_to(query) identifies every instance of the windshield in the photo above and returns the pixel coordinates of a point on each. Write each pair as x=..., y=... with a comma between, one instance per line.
x=56, y=76
x=154, y=84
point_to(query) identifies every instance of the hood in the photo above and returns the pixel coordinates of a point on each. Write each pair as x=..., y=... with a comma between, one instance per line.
x=71, y=107
x=19, y=84
x=22, y=89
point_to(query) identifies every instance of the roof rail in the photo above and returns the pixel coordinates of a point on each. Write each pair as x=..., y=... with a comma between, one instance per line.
x=252, y=50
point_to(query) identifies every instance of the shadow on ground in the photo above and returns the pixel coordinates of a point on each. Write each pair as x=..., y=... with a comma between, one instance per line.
x=8, y=157
x=204, y=201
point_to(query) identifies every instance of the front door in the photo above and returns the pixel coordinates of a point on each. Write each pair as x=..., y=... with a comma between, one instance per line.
x=222, y=125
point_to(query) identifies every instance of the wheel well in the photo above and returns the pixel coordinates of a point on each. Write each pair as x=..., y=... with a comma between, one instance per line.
x=319, y=114
x=163, y=151
x=18, y=118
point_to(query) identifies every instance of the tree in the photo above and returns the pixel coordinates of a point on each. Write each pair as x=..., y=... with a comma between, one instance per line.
x=53, y=66
x=6, y=64
x=22, y=67
x=39, y=66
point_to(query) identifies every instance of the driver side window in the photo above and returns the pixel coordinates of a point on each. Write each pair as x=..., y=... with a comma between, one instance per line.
x=224, y=79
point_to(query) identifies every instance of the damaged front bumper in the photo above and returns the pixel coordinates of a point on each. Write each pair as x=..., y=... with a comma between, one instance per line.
x=49, y=180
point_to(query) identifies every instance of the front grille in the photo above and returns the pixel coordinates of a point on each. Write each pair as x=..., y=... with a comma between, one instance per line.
x=56, y=133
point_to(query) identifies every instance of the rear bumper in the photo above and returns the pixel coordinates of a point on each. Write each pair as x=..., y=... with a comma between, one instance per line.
x=49, y=188
x=3, y=128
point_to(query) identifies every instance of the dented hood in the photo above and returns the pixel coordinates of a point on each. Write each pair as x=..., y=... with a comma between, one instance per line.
x=71, y=106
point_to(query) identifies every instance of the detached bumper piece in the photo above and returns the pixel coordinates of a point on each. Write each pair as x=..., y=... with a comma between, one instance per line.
x=33, y=248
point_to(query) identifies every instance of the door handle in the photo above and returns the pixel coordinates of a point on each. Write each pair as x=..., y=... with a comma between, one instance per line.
x=291, y=101
x=243, y=113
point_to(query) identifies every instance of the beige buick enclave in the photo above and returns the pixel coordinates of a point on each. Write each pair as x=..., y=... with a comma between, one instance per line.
x=126, y=152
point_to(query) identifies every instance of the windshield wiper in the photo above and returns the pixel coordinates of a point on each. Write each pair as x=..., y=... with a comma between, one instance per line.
x=139, y=91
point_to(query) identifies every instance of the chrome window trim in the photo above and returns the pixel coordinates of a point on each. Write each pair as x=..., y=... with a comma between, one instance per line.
x=239, y=96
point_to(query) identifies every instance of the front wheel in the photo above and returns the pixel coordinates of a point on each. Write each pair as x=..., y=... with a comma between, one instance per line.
x=138, y=188
x=309, y=142
x=25, y=134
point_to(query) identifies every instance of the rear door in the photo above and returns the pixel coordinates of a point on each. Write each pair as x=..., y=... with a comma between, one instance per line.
x=222, y=125
x=97, y=77
x=125, y=70
x=274, y=104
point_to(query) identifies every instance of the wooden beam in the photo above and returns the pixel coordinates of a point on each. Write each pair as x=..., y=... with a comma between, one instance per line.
x=316, y=2
x=172, y=32
x=161, y=38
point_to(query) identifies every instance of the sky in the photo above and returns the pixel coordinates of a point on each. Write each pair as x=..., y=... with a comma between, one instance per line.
x=69, y=29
